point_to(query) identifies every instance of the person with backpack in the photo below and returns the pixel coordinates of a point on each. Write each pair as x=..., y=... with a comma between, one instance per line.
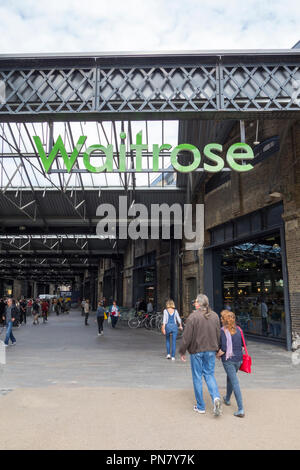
x=231, y=353
x=201, y=337
x=171, y=320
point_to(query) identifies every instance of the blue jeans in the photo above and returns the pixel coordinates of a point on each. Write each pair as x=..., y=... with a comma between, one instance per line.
x=233, y=385
x=171, y=330
x=275, y=329
x=203, y=365
x=9, y=333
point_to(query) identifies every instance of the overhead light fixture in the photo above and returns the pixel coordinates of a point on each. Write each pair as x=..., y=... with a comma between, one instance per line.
x=275, y=194
x=80, y=204
x=256, y=142
x=27, y=205
x=242, y=131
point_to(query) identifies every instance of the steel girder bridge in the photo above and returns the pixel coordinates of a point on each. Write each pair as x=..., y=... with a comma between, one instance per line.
x=47, y=221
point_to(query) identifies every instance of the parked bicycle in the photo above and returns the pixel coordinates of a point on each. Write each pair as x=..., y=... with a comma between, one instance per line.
x=140, y=320
x=156, y=321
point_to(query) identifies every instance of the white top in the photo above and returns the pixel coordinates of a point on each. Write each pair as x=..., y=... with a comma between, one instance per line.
x=115, y=311
x=263, y=310
x=149, y=307
x=167, y=314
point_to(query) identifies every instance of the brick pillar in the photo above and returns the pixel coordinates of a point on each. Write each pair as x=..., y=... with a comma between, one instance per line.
x=292, y=237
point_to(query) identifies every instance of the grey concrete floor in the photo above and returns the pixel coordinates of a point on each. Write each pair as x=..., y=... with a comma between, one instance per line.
x=65, y=352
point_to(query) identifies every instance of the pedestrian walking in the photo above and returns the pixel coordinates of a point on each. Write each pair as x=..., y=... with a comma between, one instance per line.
x=114, y=312
x=23, y=311
x=45, y=310
x=100, y=318
x=86, y=311
x=201, y=338
x=171, y=320
x=36, y=312
x=56, y=307
x=10, y=316
x=231, y=353
x=29, y=307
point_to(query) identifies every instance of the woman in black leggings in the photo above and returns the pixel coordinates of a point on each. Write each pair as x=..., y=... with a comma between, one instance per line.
x=100, y=318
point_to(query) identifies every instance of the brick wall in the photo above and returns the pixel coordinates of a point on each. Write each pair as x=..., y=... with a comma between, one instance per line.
x=248, y=192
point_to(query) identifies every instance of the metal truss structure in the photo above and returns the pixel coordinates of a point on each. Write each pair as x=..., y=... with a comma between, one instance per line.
x=156, y=86
x=48, y=220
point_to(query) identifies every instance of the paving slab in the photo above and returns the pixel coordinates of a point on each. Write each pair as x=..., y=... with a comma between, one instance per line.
x=63, y=387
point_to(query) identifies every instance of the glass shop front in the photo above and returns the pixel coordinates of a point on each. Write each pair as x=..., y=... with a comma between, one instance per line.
x=252, y=285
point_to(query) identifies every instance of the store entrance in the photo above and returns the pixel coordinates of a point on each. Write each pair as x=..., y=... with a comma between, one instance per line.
x=144, y=280
x=252, y=286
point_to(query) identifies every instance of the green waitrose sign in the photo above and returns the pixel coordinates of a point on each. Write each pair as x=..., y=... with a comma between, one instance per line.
x=238, y=155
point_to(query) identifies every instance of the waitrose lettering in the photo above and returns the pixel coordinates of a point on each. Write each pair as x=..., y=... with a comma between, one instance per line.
x=238, y=155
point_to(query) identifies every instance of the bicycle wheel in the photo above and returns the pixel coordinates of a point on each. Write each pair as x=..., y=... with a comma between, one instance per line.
x=159, y=323
x=152, y=322
x=133, y=322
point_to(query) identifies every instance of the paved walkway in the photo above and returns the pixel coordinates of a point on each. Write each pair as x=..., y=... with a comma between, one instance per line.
x=64, y=387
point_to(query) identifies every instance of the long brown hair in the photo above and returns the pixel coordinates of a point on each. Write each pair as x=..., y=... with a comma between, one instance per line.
x=228, y=320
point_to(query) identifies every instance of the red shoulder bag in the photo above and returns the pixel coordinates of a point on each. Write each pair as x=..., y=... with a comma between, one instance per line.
x=247, y=361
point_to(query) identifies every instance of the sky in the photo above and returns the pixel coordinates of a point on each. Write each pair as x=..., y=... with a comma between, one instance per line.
x=62, y=26
x=32, y=26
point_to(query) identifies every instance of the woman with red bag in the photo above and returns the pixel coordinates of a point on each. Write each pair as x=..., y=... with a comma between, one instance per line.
x=231, y=353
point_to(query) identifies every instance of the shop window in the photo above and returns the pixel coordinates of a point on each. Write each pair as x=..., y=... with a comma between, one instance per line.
x=253, y=286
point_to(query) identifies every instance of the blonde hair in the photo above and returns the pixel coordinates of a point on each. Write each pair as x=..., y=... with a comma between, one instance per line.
x=203, y=301
x=228, y=320
x=170, y=303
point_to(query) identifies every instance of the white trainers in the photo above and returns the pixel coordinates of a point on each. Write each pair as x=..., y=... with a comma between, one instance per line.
x=201, y=412
x=217, y=407
x=173, y=358
x=168, y=356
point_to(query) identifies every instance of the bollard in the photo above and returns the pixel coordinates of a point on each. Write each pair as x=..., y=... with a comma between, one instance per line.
x=2, y=353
